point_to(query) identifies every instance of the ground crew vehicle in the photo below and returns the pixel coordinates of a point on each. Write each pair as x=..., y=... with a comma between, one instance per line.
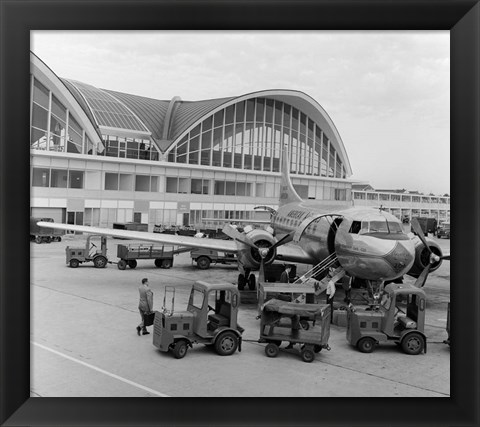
x=91, y=252
x=444, y=230
x=204, y=257
x=210, y=319
x=280, y=321
x=42, y=234
x=129, y=254
x=399, y=317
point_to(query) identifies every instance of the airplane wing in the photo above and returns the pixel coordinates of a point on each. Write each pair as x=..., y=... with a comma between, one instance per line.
x=169, y=239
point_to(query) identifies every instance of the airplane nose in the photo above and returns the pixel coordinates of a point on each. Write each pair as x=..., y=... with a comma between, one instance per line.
x=373, y=258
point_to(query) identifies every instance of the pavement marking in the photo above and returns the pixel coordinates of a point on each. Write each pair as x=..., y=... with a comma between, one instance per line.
x=147, y=389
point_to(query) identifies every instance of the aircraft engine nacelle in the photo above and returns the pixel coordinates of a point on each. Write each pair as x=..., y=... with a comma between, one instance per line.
x=249, y=257
x=422, y=257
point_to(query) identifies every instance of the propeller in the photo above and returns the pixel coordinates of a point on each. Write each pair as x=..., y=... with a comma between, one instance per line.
x=236, y=235
x=420, y=282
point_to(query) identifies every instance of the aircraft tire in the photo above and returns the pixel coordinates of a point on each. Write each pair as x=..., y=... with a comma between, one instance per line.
x=241, y=282
x=251, y=282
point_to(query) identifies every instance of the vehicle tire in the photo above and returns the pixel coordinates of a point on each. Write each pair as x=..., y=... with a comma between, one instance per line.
x=48, y=239
x=38, y=239
x=122, y=264
x=167, y=263
x=158, y=262
x=74, y=263
x=180, y=349
x=307, y=355
x=241, y=282
x=317, y=348
x=58, y=239
x=413, y=343
x=226, y=343
x=203, y=263
x=271, y=350
x=304, y=324
x=366, y=345
x=100, y=262
x=251, y=282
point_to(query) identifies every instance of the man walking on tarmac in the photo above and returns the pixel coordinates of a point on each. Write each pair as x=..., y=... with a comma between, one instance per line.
x=145, y=305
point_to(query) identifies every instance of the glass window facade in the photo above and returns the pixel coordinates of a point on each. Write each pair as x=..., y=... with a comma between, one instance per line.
x=250, y=135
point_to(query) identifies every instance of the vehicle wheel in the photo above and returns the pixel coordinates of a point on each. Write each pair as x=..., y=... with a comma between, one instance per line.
x=241, y=282
x=58, y=239
x=317, y=348
x=413, y=343
x=304, y=324
x=74, y=263
x=203, y=263
x=307, y=355
x=226, y=343
x=122, y=264
x=167, y=263
x=100, y=261
x=251, y=282
x=366, y=345
x=132, y=263
x=38, y=239
x=271, y=350
x=180, y=349
x=158, y=262
x=48, y=239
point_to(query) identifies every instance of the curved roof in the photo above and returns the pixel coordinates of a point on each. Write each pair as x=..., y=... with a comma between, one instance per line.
x=167, y=122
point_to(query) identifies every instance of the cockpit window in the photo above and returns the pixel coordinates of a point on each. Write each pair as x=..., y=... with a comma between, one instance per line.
x=378, y=227
x=375, y=227
x=356, y=227
x=395, y=227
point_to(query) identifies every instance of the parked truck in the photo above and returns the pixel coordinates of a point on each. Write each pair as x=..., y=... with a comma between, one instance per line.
x=42, y=234
x=428, y=225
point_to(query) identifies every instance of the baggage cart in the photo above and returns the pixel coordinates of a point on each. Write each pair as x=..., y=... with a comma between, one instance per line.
x=280, y=321
x=129, y=254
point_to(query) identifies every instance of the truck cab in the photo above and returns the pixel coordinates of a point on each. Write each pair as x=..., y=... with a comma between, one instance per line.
x=398, y=317
x=210, y=318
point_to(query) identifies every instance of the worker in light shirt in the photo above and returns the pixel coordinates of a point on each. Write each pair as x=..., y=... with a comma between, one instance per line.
x=334, y=276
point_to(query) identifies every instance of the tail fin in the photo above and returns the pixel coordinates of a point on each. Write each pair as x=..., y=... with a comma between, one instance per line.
x=287, y=192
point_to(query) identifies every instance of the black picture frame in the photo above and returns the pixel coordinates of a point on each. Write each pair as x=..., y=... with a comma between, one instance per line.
x=18, y=18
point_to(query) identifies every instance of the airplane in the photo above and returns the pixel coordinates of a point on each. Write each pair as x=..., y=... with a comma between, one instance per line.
x=367, y=243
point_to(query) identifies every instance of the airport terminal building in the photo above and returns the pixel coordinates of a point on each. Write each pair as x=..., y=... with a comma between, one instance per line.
x=100, y=157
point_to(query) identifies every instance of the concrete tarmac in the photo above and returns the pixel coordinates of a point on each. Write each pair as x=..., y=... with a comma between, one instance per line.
x=84, y=342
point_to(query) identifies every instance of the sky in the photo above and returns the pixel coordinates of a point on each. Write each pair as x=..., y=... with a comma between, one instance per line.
x=387, y=92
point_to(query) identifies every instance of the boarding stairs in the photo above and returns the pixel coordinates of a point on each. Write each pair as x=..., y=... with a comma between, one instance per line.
x=318, y=269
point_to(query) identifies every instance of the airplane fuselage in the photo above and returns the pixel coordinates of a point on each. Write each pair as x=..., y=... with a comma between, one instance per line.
x=369, y=244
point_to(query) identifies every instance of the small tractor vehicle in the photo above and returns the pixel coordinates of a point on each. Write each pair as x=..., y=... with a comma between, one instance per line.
x=210, y=319
x=77, y=256
x=204, y=257
x=398, y=318
x=280, y=321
